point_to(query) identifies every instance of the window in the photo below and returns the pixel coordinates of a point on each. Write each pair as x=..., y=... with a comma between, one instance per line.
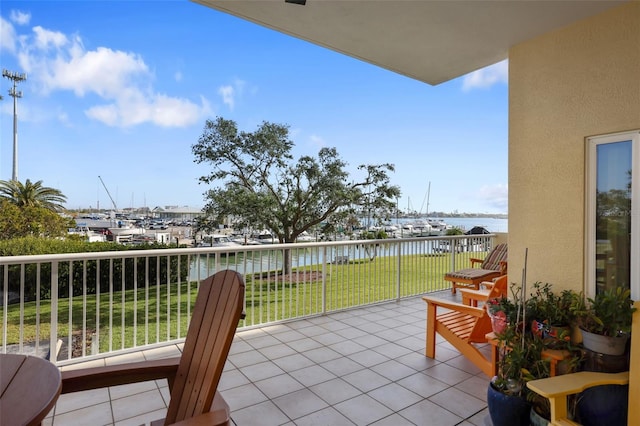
x=613, y=212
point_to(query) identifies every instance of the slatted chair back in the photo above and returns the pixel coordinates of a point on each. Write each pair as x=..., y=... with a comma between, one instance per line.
x=217, y=310
x=495, y=257
x=483, y=323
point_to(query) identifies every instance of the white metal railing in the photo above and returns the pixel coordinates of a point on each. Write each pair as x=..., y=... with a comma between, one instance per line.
x=117, y=301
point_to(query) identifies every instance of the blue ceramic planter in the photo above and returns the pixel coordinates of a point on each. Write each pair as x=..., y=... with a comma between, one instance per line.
x=507, y=410
x=604, y=405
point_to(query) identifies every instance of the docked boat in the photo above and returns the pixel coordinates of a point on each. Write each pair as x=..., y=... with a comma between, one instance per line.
x=217, y=240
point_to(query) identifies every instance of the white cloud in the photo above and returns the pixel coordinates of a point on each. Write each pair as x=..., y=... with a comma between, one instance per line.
x=20, y=18
x=7, y=36
x=228, y=98
x=487, y=77
x=496, y=196
x=230, y=93
x=59, y=62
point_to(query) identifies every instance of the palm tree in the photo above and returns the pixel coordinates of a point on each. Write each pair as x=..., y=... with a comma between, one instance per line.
x=32, y=195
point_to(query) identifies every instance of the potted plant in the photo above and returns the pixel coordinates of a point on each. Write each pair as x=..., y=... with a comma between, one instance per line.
x=551, y=314
x=605, y=320
x=520, y=360
x=605, y=325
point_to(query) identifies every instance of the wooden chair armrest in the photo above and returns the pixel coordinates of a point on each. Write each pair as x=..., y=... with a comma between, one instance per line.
x=121, y=374
x=472, y=297
x=454, y=306
x=503, y=267
x=475, y=260
x=557, y=388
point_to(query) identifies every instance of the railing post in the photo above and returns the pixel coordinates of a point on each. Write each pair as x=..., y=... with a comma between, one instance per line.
x=324, y=280
x=452, y=245
x=398, y=273
x=53, y=336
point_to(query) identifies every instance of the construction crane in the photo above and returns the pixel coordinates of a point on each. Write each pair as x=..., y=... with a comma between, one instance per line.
x=109, y=194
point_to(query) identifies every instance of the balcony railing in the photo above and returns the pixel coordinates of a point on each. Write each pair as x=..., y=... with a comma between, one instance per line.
x=105, y=302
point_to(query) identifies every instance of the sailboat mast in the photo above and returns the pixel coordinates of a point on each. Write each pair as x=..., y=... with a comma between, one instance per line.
x=428, y=195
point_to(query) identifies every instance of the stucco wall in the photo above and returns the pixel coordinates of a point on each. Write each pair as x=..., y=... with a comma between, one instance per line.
x=576, y=82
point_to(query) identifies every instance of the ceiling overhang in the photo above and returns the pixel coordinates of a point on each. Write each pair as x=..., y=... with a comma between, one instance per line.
x=431, y=41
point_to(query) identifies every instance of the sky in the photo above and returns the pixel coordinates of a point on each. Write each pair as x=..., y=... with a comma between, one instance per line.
x=121, y=90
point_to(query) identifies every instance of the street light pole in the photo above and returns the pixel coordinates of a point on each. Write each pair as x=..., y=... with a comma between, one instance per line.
x=16, y=78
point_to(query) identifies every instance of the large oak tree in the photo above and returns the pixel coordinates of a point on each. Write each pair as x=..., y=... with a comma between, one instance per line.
x=259, y=185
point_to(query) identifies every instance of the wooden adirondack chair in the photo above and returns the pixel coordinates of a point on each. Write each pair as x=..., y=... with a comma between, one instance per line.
x=557, y=388
x=193, y=378
x=493, y=266
x=463, y=326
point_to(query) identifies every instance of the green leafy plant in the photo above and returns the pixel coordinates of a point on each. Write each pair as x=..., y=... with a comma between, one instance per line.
x=545, y=305
x=609, y=313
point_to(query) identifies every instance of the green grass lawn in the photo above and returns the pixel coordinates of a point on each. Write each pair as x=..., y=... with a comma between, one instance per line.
x=124, y=318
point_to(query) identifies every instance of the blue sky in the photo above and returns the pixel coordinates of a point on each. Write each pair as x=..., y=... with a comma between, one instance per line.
x=122, y=89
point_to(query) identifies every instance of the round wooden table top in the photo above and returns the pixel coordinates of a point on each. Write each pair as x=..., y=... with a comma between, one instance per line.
x=29, y=388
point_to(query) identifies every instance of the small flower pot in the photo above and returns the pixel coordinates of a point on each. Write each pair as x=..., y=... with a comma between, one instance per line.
x=498, y=322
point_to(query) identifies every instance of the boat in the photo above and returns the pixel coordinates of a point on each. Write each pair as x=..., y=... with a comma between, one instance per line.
x=217, y=240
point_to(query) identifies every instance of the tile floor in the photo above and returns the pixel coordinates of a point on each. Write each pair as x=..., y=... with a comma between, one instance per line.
x=365, y=366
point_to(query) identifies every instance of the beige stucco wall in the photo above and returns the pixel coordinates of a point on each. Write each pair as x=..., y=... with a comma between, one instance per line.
x=579, y=81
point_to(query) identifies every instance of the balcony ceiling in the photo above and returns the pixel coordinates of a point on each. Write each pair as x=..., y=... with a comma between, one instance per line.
x=431, y=41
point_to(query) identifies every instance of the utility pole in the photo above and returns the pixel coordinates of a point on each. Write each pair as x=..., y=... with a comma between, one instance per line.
x=16, y=78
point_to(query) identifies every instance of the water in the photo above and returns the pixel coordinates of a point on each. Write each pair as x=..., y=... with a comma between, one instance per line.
x=491, y=224
x=466, y=223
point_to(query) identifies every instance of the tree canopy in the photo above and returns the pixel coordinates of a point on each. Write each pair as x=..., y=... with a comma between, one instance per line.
x=22, y=221
x=32, y=194
x=258, y=184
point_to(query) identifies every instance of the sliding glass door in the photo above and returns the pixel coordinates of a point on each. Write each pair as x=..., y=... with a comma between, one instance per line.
x=613, y=184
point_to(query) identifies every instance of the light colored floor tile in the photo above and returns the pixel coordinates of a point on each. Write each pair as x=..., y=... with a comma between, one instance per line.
x=76, y=400
x=95, y=415
x=262, y=370
x=163, y=352
x=263, y=341
x=363, y=410
x=347, y=347
x=293, y=362
x=322, y=354
x=300, y=403
x=366, y=380
x=458, y=402
x=232, y=379
x=274, y=387
x=422, y=384
x=447, y=374
x=395, y=396
x=324, y=417
x=368, y=358
x=335, y=390
x=342, y=366
x=116, y=392
x=264, y=414
x=143, y=419
x=393, y=420
x=312, y=375
x=138, y=404
x=427, y=413
x=243, y=396
x=393, y=370
x=247, y=358
x=277, y=351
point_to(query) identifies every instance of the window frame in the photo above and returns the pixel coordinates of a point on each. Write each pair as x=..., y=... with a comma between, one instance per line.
x=590, y=214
